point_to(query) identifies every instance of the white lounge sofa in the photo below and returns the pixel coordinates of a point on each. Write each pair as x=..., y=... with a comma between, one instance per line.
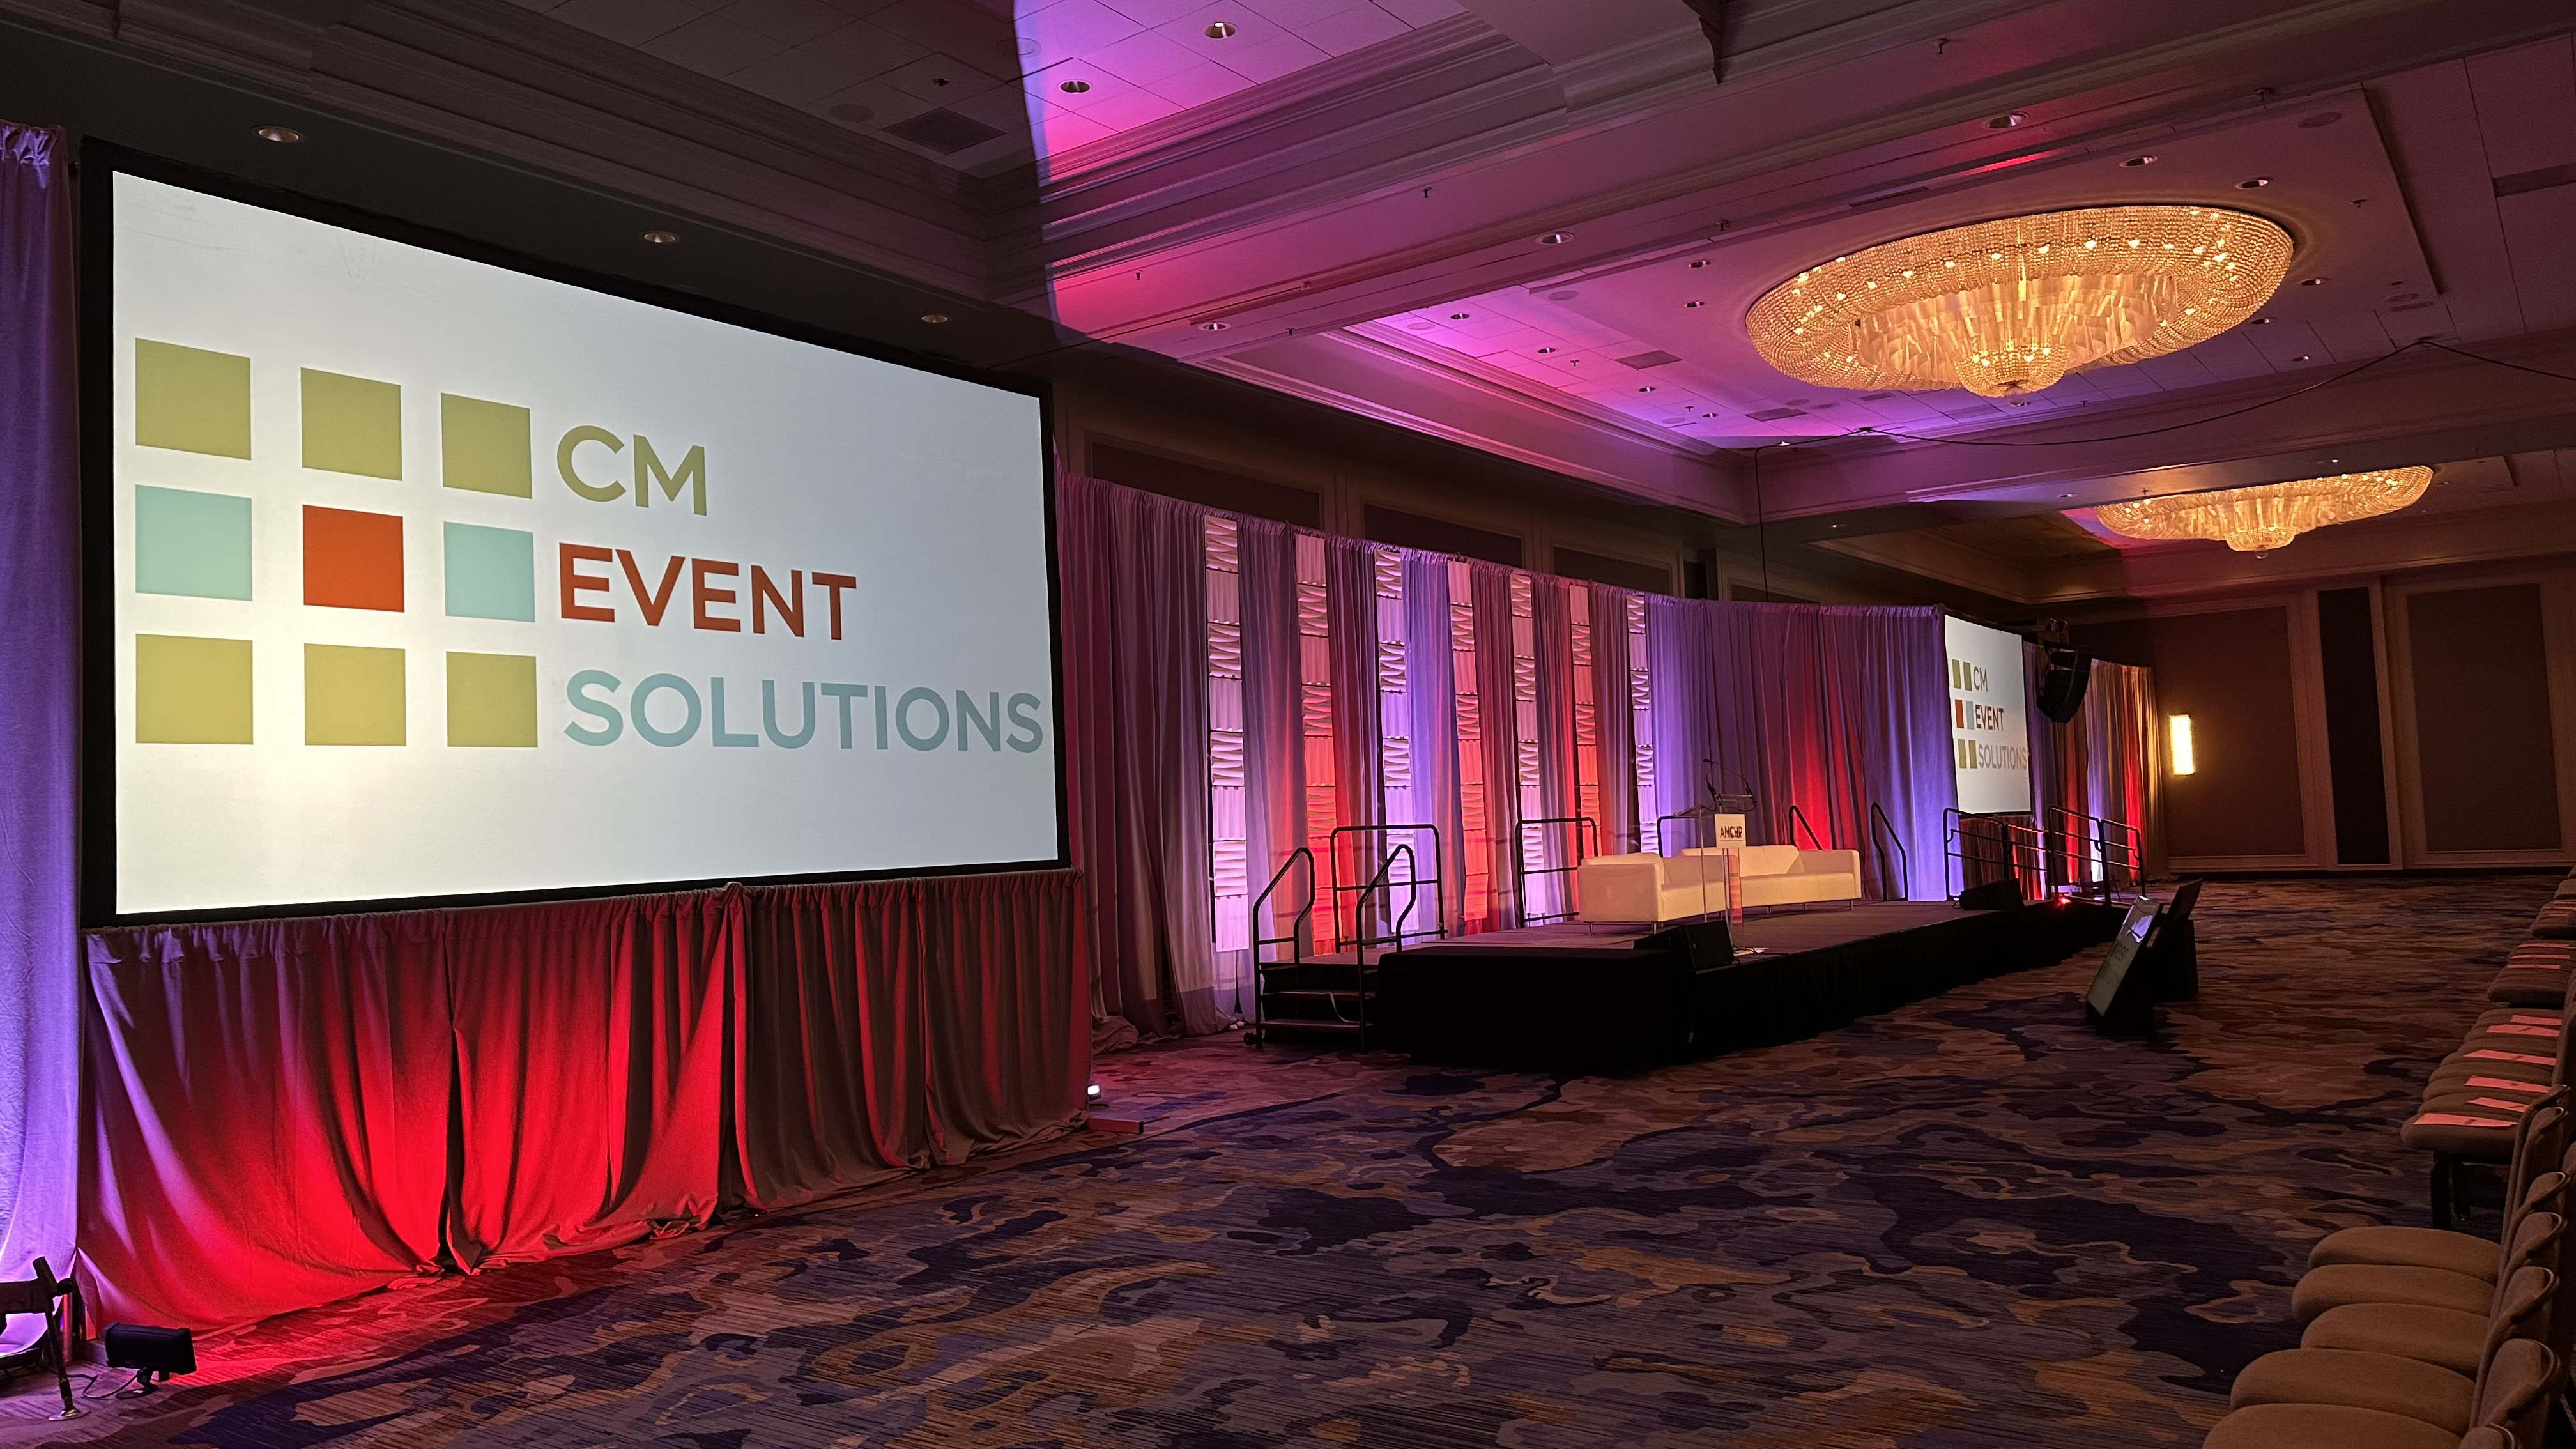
x=1657, y=888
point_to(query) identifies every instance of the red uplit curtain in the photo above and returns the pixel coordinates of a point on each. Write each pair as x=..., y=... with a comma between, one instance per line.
x=286, y=1112
x=2105, y=763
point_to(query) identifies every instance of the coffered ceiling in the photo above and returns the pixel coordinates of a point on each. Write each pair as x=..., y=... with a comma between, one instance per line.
x=1529, y=227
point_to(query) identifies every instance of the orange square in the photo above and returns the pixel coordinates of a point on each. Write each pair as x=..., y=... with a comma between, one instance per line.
x=353, y=560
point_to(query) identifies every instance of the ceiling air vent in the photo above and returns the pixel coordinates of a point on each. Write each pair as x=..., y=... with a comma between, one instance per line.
x=1773, y=415
x=1876, y=396
x=2410, y=307
x=1644, y=360
x=2540, y=180
x=943, y=131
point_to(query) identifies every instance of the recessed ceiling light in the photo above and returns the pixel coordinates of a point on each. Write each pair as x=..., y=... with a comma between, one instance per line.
x=2313, y=281
x=2260, y=322
x=1692, y=305
x=2302, y=357
x=1702, y=262
x=1650, y=387
x=1544, y=351
x=934, y=318
x=2006, y=121
x=1214, y=326
x=2254, y=183
x=1556, y=239
x=2065, y=495
x=1784, y=444
x=2136, y=161
x=1220, y=30
x=283, y=135
x=662, y=238
x=1074, y=87
x=2321, y=118
x=1459, y=316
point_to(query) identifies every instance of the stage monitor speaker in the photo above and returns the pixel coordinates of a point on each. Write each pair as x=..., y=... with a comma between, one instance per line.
x=1703, y=944
x=1994, y=895
x=2061, y=687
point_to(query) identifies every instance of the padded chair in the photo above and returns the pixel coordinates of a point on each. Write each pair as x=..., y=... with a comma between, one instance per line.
x=42, y=1294
x=2398, y=1246
x=2443, y=1337
x=2513, y=1406
x=2459, y=1132
x=2335, y=1285
x=2556, y=921
x=2535, y=974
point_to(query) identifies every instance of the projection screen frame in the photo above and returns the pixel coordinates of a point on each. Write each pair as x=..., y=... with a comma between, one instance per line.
x=97, y=786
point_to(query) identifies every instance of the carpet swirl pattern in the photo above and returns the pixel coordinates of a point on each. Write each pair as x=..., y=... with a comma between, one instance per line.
x=1969, y=1222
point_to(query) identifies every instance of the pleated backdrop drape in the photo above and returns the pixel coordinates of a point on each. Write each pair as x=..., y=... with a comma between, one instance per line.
x=287, y=1112
x=1831, y=710
x=2107, y=762
x=40, y=554
x=1133, y=568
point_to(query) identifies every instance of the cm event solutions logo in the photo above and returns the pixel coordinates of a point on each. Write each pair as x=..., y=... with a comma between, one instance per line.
x=1972, y=716
x=197, y=543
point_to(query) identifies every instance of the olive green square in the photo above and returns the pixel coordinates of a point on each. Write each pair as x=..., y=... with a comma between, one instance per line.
x=483, y=446
x=191, y=400
x=352, y=425
x=352, y=695
x=190, y=691
x=492, y=700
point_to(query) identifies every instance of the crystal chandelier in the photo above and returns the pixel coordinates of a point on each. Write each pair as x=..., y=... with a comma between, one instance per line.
x=2255, y=520
x=2009, y=307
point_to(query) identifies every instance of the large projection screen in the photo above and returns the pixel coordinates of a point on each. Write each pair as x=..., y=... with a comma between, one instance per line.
x=430, y=578
x=1989, y=720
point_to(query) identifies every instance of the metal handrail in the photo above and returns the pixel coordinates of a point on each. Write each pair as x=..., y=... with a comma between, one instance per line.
x=1663, y=820
x=1521, y=872
x=2018, y=839
x=1413, y=876
x=1878, y=821
x=2130, y=843
x=1294, y=940
x=1413, y=883
x=1798, y=822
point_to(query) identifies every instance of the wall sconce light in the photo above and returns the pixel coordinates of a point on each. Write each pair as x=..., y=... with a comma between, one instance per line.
x=2179, y=727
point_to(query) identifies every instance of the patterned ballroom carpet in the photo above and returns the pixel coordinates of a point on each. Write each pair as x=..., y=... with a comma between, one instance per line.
x=1967, y=1223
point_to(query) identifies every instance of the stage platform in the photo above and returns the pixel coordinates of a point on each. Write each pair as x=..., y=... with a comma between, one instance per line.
x=1569, y=996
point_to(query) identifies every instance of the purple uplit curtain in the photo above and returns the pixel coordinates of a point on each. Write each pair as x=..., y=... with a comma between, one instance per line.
x=1829, y=709
x=1136, y=751
x=1617, y=725
x=1559, y=773
x=39, y=618
x=1274, y=736
x=1489, y=593
x=1431, y=723
x=1350, y=575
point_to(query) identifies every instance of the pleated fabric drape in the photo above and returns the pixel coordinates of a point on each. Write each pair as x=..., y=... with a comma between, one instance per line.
x=285, y=1112
x=1831, y=710
x=1134, y=606
x=1496, y=836
x=1617, y=721
x=1274, y=736
x=1431, y=720
x=40, y=554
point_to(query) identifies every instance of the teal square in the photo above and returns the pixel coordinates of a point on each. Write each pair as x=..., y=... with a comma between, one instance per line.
x=491, y=573
x=197, y=544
